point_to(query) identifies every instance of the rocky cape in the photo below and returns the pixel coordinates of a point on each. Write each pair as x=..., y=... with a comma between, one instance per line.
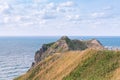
x=64, y=44
x=68, y=59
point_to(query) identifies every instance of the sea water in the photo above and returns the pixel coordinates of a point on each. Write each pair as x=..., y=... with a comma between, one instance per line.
x=17, y=53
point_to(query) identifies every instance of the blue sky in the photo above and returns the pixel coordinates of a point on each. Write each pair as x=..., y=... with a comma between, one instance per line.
x=59, y=17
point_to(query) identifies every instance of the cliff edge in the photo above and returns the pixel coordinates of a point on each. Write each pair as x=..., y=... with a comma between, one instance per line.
x=65, y=44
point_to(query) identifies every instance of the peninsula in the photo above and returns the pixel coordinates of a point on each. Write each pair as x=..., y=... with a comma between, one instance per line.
x=68, y=59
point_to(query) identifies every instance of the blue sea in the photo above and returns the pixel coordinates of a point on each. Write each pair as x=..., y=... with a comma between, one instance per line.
x=17, y=53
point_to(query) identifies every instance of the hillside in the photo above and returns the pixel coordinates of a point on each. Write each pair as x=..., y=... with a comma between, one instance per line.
x=68, y=59
x=89, y=64
x=101, y=65
x=65, y=44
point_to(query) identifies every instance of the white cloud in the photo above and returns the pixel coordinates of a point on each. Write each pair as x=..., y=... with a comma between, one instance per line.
x=11, y=19
x=2, y=1
x=106, y=12
x=67, y=4
x=65, y=7
x=36, y=14
x=98, y=14
x=50, y=5
x=27, y=24
x=17, y=18
x=40, y=1
x=53, y=14
x=4, y=8
x=48, y=16
x=42, y=22
x=103, y=15
x=108, y=8
x=59, y=9
x=6, y=19
x=73, y=17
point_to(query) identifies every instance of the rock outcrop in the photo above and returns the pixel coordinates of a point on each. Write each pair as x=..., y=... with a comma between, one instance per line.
x=65, y=44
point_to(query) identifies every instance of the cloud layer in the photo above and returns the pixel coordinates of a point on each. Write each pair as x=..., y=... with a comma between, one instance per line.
x=45, y=17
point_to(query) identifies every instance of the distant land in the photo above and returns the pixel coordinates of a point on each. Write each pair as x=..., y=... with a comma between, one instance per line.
x=68, y=59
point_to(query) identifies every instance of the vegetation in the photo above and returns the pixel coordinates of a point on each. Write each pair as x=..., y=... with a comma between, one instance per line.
x=77, y=65
x=48, y=45
x=76, y=44
x=99, y=66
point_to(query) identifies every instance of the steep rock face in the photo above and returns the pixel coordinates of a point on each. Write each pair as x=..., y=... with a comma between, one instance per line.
x=51, y=48
x=94, y=44
x=65, y=44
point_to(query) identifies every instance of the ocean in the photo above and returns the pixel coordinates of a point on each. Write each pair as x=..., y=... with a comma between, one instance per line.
x=17, y=53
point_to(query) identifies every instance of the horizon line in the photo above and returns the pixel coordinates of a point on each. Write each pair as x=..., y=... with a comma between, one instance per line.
x=64, y=35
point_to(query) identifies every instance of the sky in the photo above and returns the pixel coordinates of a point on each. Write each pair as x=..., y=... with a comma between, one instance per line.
x=59, y=17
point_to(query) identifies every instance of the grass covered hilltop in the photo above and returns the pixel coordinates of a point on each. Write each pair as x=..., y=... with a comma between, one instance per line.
x=68, y=59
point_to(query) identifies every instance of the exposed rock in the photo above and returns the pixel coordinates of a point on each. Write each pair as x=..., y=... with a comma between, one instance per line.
x=94, y=44
x=65, y=44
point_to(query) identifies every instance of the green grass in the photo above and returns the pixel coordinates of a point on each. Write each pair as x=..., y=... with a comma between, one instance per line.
x=99, y=66
x=94, y=65
x=76, y=44
x=49, y=44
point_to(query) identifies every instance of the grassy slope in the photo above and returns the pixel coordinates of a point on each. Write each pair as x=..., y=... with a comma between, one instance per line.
x=101, y=65
x=50, y=69
x=76, y=65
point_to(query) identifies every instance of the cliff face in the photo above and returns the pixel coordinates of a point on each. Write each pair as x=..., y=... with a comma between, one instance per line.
x=65, y=44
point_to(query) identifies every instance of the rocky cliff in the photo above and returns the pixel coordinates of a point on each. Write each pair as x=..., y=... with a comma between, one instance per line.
x=65, y=44
x=68, y=59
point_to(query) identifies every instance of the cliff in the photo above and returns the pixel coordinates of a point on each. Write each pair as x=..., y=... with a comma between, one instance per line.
x=68, y=59
x=65, y=44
